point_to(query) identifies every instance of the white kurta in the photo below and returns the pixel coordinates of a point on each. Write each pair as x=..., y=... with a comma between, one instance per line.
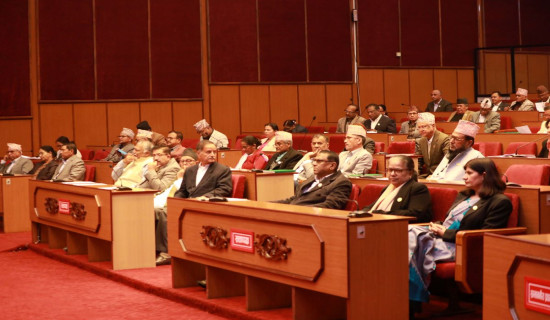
x=454, y=170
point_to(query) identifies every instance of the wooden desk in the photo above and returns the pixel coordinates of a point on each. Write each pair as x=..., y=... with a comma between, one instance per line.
x=333, y=269
x=518, y=117
x=103, y=170
x=267, y=186
x=509, y=262
x=104, y=224
x=229, y=157
x=534, y=204
x=14, y=202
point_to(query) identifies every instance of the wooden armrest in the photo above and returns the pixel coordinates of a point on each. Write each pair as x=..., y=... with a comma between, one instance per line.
x=462, y=236
x=420, y=224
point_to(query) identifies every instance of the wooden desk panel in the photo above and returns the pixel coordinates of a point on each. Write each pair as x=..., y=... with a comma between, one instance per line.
x=266, y=186
x=518, y=117
x=351, y=264
x=14, y=191
x=229, y=158
x=517, y=257
x=103, y=170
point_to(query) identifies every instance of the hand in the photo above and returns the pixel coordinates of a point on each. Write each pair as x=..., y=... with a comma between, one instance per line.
x=129, y=158
x=180, y=173
x=152, y=166
x=201, y=198
x=6, y=157
x=437, y=229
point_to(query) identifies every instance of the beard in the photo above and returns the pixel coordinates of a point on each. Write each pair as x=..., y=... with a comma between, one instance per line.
x=452, y=154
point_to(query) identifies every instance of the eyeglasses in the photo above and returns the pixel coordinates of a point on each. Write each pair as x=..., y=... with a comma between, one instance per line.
x=346, y=111
x=187, y=161
x=457, y=139
x=320, y=160
x=123, y=136
x=159, y=154
x=390, y=170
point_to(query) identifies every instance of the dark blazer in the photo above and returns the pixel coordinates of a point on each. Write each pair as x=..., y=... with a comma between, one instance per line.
x=216, y=182
x=288, y=161
x=438, y=149
x=47, y=172
x=501, y=106
x=299, y=129
x=385, y=124
x=544, y=150
x=491, y=213
x=332, y=192
x=415, y=202
x=444, y=105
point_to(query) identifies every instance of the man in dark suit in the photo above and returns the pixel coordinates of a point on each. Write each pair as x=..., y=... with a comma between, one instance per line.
x=497, y=104
x=328, y=188
x=377, y=121
x=286, y=157
x=438, y=104
x=432, y=146
x=207, y=178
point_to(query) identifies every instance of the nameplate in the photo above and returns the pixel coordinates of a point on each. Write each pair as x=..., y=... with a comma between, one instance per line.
x=64, y=206
x=242, y=240
x=537, y=295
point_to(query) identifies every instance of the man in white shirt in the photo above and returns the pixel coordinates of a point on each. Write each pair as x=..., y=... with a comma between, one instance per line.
x=355, y=160
x=377, y=121
x=130, y=172
x=206, y=132
x=304, y=167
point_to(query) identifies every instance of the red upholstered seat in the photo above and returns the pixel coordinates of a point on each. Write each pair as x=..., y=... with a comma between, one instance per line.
x=529, y=174
x=190, y=143
x=529, y=148
x=379, y=147
x=442, y=199
x=489, y=148
x=406, y=147
x=239, y=183
x=332, y=129
x=336, y=142
x=506, y=122
x=353, y=197
x=87, y=154
x=90, y=173
x=374, y=166
x=100, y=154
x=301, y=141
x=315, y=129
x=369, y=194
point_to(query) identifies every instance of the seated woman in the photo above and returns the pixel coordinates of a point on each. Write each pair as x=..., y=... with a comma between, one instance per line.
x=268, y=143
x=252, y=157
x=546, y=123
x=404, y=196
x=481, y=206
x=45, y=169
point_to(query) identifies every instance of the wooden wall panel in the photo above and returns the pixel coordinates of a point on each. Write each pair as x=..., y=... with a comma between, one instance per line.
x=396, y=89
x=537, y=68
x=312, y=102
x=56, y=120
x=495, y=75
x=90, y=124
x=465, y=83
x=420, y=43
x=158, y=114
x=338, y=98
x=522, y=76
x=534, y=21
x=121, y=115
x=501, y=22
x=421, y=84
x=371, y=86
x=284, y=103
x=224, y=105
x=378, y=48
x=254, y=107
x=458, y=43
x=445, y=80
x=17, y=131
x=185, y=115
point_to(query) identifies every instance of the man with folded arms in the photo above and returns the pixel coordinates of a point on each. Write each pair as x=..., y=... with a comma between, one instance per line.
x=328, y=188
x=124, y=147
x=71, y=168
x=18, y=164
x=130, y=172
x=355, y=160
x=522, y=103
x=438, y=104
x=206, y=132
x=485, y=115
x=285, y=157
x=460, y=152
x=433, y=145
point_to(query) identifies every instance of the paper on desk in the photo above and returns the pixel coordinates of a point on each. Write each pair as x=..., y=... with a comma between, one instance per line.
x=108, y=188
x=85, y=183
x=523, y=129
x=540, y=106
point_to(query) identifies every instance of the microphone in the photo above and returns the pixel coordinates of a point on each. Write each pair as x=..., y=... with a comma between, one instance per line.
x=523, y=145
x=358, y=213
x=303, y=136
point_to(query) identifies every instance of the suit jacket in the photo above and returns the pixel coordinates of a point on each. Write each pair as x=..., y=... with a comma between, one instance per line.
x=415, y=202
x=444, y=105
x=501, y=106
x=359, y=163
x=385, y=124
x=216, y=182
x=527, y=105
x=47, y=172
x=116, y=156
x=158, y=139
x=492, y=121
x=467, y=115
x=438, y=149
x=299, y=129
x=405, y=126
x=491, y=213
x=74, y=170
x=21, y=166
x=369, y=145
x=342, y=126
x=288, y=161
x=544, y=150
x=332, y=192
x=161, y=179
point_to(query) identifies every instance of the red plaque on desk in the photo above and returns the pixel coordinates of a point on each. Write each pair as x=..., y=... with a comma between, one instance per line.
x=242, y=240
x=64, y=206
x=537, y=295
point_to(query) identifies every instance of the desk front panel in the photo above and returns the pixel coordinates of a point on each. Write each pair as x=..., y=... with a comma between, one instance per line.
x=14, y=191
x=103, y=170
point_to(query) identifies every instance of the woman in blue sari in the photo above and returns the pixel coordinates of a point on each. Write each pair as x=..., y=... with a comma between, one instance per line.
x=481, y=206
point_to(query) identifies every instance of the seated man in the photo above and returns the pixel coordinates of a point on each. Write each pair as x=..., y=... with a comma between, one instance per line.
x=144, y=135
x=522, y=103
x=460, y=152
x=304, y=168
x=173, y=140
x=403, y=196
x=328, y=188
x=285, y=157
x=462, y=112
x=130, y=172
x=544, y=96
x=187, y=159
x=438, y=104
x=497, y=104
x=409, y=127
x=292, y=126
x=124, y=147
x=18, y=164
x=355, y=160
x=157, y=138
x=352, y=117
x=485, y=115
x=433, y=145
x=62, y=140
x=207, y=133
x=377, y=121
x=161, y=172
x=71, y=168
x=252, y=158
x=207, y=178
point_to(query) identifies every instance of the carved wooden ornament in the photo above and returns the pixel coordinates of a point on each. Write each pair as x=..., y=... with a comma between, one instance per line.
x=215, y=237
x=51, y=205
x=77, y=211
x=271, y=247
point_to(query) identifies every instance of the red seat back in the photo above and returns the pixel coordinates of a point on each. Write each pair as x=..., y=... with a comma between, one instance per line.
x=87, y=154
x=442, y=199
x=315, y=129
x=190, y=143
x=301, y=141
x=513, y=219
x=379, y=147
x=374, y=166
x=332, y=129
x=100, y=154
x=336, y=142
x=90, y=173
x=505, y=122
x=369, y=194
x=239, y=182
x=489, y=148
x=353, y=197
x=406, y=147
x=529, y=174
x=524, y=148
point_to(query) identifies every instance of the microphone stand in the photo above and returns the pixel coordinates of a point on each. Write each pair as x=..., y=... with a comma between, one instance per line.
x=525, y=144
x=303, y=136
